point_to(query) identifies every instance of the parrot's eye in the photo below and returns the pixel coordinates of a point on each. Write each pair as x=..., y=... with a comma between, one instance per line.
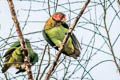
x=64, y=16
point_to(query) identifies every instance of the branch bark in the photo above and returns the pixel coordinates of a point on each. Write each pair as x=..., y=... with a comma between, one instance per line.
x=65, y=40
x=21, y=39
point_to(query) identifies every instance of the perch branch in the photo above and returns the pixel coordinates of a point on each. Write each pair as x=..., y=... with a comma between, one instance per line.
x=21, y=39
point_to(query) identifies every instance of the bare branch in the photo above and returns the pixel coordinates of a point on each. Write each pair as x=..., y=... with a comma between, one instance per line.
x=110, y=44
x=21, y=39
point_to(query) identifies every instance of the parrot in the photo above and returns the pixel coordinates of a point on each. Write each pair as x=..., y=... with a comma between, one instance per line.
x=54, y=32
x=14, y=56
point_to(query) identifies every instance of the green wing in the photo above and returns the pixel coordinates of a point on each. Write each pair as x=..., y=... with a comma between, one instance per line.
x=12, y=48
x=13, y=58
x=75, y=42
x=29, y=48
x=55, y=36
x=32, y=55
x=8, y=56
x=45, y=35
x=34, y=59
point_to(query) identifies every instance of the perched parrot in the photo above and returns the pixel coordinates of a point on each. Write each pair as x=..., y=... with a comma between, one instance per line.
x=54, y=32
x=14, y=56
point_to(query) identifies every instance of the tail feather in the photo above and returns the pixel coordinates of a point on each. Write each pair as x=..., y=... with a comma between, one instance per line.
x=5, y=68
x=20, y=70
x=77, y=47
x=76, y=54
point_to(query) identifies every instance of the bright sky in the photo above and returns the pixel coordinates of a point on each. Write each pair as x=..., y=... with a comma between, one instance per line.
x=93, y=15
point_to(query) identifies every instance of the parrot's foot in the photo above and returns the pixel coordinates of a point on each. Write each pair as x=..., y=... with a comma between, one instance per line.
x=18, y=66
x=62, y=44
x=55, y=46
x=70, y=28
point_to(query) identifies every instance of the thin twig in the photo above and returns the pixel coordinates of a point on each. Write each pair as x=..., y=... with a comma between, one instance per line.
x=109, y=41
x=41, y=62
x=65, y=40
x=49, y=8
x=21, y=39
x=56, y=5
x=66, y=69
x=47, y=64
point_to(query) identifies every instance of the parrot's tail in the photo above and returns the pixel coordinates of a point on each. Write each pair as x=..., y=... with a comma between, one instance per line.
x=76, y=54
x=5, y=68
x=21, y=70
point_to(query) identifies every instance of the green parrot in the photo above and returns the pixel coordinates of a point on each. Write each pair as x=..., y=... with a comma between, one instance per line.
x=14, y=56
x=54, y=32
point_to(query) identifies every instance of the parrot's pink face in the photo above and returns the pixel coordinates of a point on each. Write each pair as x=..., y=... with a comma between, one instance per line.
x=58, y=16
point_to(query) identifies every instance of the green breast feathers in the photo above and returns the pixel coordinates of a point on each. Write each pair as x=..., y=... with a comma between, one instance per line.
x=55, y=36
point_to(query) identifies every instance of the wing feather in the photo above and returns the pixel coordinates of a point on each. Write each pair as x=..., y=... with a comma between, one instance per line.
x=49, y=40
x=12, y=48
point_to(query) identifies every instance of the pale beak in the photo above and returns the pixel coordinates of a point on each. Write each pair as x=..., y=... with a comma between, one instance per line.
x=63, y=20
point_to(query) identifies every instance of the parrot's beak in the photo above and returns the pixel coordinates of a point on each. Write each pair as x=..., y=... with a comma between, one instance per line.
x=63, y=20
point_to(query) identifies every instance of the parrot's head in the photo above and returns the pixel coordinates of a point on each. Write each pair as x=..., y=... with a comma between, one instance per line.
x=59, y=16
